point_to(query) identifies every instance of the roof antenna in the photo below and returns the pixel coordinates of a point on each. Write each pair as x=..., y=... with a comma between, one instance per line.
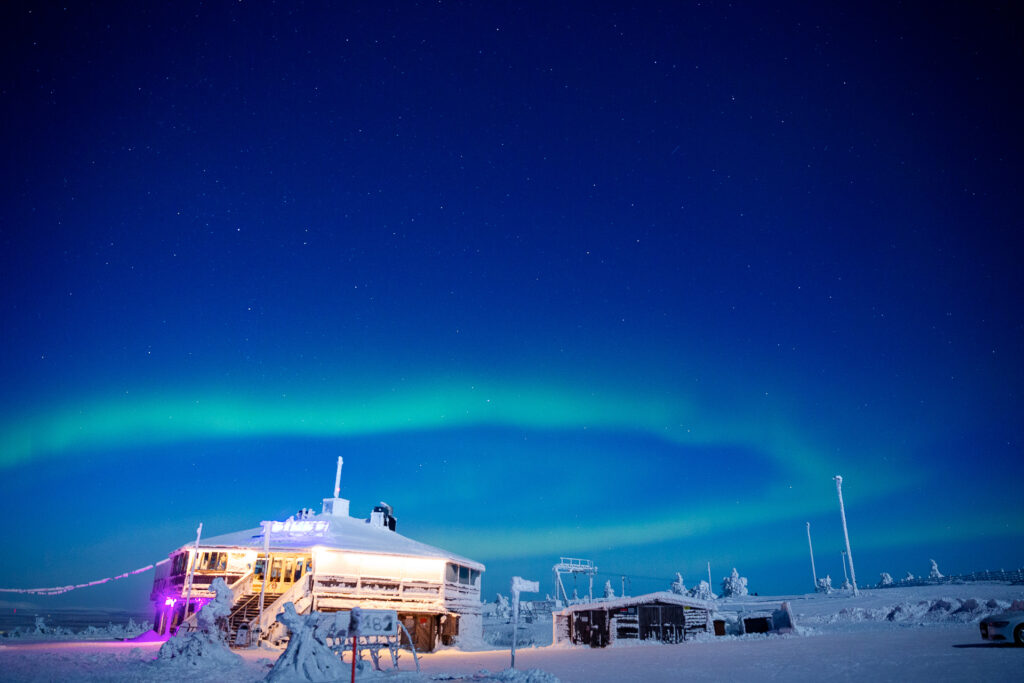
x=337, y=477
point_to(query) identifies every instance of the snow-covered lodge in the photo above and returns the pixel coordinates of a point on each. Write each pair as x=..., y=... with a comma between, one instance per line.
x=325, y=562
x=663, y=616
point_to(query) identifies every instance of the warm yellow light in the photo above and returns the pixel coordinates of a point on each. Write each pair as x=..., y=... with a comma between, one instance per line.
x=340, y=563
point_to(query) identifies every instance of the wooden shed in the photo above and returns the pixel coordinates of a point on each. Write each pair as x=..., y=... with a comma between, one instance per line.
x=663, y=617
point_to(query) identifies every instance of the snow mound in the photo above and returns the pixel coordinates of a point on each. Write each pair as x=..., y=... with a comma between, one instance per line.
x=204, y=647
x=938, y=611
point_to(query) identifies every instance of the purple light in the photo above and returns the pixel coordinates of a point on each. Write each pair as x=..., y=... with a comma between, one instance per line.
x=169, y=602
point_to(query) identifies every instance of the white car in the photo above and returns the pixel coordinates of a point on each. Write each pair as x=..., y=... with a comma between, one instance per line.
x=1005, y=627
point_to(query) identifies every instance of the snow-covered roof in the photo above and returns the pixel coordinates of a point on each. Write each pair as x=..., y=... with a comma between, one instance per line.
x=665, y=597
x=343, y=533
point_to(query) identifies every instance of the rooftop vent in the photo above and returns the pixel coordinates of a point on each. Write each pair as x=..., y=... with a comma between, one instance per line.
x=383, y=516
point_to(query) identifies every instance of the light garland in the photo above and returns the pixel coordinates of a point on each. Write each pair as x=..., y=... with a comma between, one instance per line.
x=57, y=590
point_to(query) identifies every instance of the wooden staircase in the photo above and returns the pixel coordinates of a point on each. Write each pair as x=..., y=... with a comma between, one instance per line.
x=247, y=608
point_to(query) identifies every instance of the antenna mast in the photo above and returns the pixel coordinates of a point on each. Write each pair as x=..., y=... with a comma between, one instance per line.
x=337, y=477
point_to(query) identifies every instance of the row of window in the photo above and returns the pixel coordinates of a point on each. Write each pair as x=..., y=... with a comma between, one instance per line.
x=456, y=573
x=208, y=562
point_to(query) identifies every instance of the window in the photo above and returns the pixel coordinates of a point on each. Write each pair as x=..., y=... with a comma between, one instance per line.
x=451, y=573
x=257, y=569
x=464, y=575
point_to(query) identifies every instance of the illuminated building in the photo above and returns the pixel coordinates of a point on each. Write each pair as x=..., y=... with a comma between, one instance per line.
x=325, y=562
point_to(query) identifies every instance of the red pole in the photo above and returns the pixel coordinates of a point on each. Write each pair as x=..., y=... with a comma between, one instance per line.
x=354, y=654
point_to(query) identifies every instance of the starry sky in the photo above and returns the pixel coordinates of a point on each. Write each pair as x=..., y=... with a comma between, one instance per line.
x=623, y=282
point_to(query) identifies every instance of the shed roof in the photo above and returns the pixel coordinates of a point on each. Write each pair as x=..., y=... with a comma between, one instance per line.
x=665, y=597
x=343, y=533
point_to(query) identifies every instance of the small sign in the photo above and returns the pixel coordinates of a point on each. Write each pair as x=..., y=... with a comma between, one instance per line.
x=372, y=622
x=521, y=585
x=298, y=527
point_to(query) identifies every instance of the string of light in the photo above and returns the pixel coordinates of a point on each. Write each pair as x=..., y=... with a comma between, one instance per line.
x=57, y=590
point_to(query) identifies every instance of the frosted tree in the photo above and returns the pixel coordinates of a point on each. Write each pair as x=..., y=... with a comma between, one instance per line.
x=609, y=592
x=846, y=585
x=502, y=608
x=206, y=644
x=575, y=595
x=307, y=657
x=885, y=580
x=934, y=574
x=734, y=585
x=825, y=585
x=702, y=591
x=908, y=577
x=678, y=587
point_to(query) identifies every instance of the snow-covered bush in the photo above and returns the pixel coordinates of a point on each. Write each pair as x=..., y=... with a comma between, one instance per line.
x=609, y=592
x=678, y=587
x=734, y=585
x=885, y=580
x=935, y=574
x=825, y=585
x=846, y=585
x=206, y=645
x=702, y=591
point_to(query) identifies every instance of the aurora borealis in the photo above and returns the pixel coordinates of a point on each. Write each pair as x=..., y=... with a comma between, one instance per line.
x=629, y=284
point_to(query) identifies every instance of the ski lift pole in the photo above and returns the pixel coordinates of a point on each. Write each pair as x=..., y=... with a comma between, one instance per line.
x=846, y=534
x=814, y=572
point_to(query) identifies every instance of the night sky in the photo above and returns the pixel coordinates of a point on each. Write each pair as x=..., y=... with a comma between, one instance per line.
x=626, y=282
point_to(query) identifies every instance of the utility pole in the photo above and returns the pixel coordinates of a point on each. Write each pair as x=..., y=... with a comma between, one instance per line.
x=846, y=534
x=814, y=572
x=710, y=585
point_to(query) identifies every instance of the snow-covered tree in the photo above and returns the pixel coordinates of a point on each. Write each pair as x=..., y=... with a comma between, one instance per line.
x=885, y=580
x=825, y=585
x=678, y=587
x=702, y=591
x=206, y=644
x=847, y=585
x=734, y=585
x=609, y=592
x=307, y=657
x=908, y=577
x=575, y=594
x=502, y=608
x=934, y=573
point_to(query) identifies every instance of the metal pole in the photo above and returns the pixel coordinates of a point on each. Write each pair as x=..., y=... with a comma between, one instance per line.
x=515, y=623
x=846, y=534
x=709, y=577
x=842, y=555
x=814, y=572
x=337, y=477
x=623, y=594
x=192, y=569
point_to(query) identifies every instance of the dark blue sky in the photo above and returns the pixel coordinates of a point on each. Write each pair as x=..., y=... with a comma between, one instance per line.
x=629, y=283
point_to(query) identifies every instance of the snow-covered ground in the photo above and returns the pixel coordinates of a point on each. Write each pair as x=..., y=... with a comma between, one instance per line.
x=932, y=636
